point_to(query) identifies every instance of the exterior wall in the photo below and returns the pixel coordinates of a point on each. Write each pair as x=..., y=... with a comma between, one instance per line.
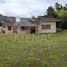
x=52, y=30
x=1, y=28
x=8, y=31
x=38, y=29
x=19, y=31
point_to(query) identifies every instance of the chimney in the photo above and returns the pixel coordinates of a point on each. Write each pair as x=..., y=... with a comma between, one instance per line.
x=17, y=19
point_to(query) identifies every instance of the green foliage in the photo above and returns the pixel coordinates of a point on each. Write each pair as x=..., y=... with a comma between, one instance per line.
x=58, y=6
x=62, y=14
x=51, y=12
x=59, y=30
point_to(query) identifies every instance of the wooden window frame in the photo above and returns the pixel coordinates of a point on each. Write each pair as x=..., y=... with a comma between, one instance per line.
x=47, y=26
x=9, y=27
x=24, y=28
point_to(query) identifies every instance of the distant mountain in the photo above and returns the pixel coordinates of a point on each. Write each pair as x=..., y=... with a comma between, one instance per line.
x=7, y=19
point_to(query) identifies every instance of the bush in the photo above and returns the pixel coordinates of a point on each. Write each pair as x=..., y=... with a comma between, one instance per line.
x=59, y=30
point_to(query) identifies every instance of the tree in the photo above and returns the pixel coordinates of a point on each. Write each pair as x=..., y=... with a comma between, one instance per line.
x=33, y=17
x=58, y=6
x=63, y=20
x=59, y=12
x=65, y=7
x=51, y=12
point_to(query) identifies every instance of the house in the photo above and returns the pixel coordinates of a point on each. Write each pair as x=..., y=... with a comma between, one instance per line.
x=46, y=24
x=27, y=25
x=7, y=26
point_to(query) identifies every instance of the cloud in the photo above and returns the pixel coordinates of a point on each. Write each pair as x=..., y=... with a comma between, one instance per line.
x=25, y=8
x=2, y=1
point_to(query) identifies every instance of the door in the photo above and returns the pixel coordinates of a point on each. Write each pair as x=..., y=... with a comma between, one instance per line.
x=15, y=30
x=33, y=30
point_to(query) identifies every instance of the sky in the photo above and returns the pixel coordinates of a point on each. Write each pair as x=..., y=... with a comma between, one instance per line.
x=26, y=8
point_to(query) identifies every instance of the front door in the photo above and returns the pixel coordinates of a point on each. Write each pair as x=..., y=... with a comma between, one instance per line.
x=15, y=30
x=33, y=30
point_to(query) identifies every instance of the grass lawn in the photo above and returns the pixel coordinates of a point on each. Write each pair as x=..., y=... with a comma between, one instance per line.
x=34, y=50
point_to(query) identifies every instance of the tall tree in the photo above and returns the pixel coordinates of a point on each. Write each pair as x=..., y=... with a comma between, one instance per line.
x=58, y=6
x=63, y=19
x=65, y=7
x=51, y=12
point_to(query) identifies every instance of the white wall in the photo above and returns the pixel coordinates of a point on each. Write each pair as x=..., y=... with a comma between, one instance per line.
x=52, y=30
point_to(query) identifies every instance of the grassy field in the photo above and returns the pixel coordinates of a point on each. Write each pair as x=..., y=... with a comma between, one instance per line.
x=34, y=50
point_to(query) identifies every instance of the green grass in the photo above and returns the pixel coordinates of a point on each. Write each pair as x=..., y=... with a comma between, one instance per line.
x=36, y=50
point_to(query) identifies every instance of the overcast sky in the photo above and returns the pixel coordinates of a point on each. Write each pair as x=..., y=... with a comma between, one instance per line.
x=26, y=8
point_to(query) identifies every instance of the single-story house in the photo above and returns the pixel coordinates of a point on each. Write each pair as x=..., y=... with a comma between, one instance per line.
x=28, y=25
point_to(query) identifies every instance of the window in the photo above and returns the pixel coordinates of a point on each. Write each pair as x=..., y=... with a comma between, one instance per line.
x=46, y=26
x=24, y=27
x=0, y=24
x=9, y=27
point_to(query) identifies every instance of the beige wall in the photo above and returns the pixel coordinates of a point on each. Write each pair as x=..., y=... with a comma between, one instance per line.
x=39, y=30
x=19, y=31
x=23, y=32
x=8, y=31
x=52, y=30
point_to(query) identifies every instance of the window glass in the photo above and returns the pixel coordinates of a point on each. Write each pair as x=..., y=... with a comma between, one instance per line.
x=9, y=27
x=46, y=26
x=24, y=27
